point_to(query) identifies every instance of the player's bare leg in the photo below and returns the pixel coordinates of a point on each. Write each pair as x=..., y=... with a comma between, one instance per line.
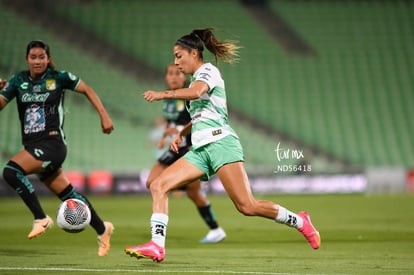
x=178, y=174
x=156, y=170
x=234, y=179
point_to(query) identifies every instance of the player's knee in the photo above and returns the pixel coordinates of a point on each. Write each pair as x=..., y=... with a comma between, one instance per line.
x=149, y=182
x=155, y=186
x=14, y=175
x=8, y=174
x=158, y=187
x=11, y=170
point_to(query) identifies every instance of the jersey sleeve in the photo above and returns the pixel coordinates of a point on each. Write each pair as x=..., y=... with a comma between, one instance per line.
x=68, y=80
x=9, y=91
x=209, y=75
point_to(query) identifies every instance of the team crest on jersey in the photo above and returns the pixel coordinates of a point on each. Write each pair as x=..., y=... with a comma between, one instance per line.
x=51, y=84
x=180, y=105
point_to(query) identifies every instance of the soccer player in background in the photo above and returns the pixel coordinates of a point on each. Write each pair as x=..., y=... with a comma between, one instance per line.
x=215, y=146
x=176, y=116
x=39, y=93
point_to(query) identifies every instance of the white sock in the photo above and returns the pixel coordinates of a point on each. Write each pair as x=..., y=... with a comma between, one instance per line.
x=159, y=223
x=289, y=218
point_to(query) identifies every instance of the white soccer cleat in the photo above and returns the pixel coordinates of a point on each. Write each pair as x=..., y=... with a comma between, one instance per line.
x=214, y=236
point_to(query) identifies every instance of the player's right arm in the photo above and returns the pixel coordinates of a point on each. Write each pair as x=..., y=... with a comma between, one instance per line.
x=7, y=92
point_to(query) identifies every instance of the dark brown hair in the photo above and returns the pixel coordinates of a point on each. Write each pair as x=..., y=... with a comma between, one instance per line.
x=226, y=50
x=43, y=45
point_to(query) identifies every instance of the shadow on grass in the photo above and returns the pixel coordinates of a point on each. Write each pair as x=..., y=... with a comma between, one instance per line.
x=23, y=252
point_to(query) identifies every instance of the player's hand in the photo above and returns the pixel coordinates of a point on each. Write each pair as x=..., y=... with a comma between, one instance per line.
x=151, y=96
x=107, y=125
x=175, y=143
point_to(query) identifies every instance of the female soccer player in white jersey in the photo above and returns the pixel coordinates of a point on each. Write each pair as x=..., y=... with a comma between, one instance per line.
x=39, y=93
x=176, y=116
x=216, y=147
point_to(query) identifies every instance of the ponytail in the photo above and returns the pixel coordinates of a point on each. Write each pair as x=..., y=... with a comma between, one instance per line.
x=226, y=50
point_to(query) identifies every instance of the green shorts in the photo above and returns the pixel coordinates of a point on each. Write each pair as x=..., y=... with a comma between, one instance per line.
x=211, y=157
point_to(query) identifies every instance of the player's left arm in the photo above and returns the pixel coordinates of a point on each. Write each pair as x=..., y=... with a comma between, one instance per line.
x=197, y=89
x=176, y=141
x=186, y=130
x=106, y=122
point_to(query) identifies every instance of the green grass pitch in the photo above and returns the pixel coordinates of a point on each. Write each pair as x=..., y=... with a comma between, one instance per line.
x=360, y=235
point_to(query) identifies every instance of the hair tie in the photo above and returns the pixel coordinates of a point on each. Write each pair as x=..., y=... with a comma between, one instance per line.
x=185, y=43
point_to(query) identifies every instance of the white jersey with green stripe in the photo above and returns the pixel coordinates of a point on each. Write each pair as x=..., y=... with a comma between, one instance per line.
x=209, y=112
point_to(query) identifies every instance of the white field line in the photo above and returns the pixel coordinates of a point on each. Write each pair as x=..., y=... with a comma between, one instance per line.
x=10, y=268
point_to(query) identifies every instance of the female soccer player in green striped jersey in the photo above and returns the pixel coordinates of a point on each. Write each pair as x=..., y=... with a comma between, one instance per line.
x=176, y=116
x=216, y=147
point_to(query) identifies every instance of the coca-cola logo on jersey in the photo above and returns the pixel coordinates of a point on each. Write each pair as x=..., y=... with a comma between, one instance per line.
x=35, y=97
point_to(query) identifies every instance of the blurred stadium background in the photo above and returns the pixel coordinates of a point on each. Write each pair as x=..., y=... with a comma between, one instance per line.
x=329, y=83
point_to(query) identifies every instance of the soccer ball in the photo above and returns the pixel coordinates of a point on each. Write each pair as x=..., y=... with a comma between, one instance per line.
x=73, y=215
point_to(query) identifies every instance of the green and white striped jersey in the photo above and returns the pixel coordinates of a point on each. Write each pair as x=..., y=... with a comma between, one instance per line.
x=209, y=112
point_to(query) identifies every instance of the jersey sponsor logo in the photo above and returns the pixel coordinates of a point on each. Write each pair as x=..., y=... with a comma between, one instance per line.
x=51, y=84
x=24, y=85
x=37, y=89
x=216, y=132
x=35, y=97
x=34, y=119
x=204, y=76
x=196, y=116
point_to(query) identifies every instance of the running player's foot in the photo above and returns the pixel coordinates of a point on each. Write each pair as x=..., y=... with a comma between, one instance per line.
x=104, y=239
x=149, y=250
x=309, y=231
x=214, y=236
x=40, y=226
